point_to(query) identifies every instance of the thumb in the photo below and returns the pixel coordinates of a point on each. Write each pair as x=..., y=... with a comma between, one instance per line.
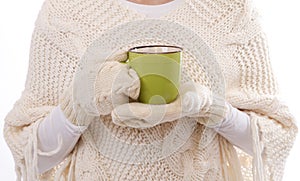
x=191, y=102
x=119, y=56
x=128, y=83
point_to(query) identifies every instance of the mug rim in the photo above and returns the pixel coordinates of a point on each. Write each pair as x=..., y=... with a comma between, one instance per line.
x=179, y=49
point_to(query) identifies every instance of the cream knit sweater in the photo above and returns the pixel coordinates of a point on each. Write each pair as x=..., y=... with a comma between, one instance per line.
x=65, y=29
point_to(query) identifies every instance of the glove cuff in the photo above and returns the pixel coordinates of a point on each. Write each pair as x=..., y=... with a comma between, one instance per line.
x=209, y=108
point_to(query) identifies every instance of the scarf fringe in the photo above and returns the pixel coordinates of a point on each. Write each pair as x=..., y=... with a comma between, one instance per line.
x=258, y=166
x=230, y=162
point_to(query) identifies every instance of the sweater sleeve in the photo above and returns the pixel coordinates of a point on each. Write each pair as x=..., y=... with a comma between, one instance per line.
x=50, y=71
x=273, y=126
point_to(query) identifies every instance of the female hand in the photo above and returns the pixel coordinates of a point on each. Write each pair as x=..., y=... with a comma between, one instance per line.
x=114, y=85
x=194, y=100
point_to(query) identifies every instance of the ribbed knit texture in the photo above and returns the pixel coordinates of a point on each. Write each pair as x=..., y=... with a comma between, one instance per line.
x=73, y=112
x=65, y=29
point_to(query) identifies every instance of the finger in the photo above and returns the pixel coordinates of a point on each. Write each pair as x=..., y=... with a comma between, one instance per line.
x=133, y=115
x=145, y=115
x=133, y=90
x=119, y=56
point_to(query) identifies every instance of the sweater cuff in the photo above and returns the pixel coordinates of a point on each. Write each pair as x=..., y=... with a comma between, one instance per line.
x=77, y=116
x=66, y=105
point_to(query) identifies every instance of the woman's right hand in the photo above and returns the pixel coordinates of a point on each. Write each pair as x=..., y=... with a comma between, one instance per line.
x=114, y=85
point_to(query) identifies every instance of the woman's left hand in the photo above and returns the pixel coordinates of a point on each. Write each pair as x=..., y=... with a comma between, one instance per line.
x=194, y=100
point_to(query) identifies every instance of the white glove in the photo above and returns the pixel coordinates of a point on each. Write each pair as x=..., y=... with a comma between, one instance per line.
x=194, y=100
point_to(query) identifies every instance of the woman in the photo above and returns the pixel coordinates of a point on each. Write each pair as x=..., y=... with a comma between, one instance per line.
x=53, y=137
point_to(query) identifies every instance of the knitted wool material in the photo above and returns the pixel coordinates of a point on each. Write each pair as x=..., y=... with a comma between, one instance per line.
x=193, y=101
x=63, y=32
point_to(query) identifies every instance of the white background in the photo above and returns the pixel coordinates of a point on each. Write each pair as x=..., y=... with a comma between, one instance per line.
x=280, y=20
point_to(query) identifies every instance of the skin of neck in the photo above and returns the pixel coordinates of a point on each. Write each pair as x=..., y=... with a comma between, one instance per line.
x=150, y=2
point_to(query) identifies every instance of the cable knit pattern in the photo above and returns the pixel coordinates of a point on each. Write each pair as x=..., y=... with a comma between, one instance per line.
x=66, y=28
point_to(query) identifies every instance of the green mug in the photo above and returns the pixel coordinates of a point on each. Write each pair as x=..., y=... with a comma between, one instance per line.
x=159, y=69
